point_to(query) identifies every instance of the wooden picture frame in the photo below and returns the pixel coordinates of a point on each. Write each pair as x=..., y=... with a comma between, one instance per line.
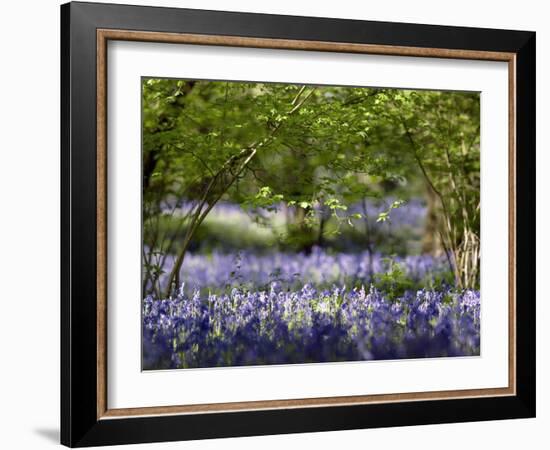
x=86, y=418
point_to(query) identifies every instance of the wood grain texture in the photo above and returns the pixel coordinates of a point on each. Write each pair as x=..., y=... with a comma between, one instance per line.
x=101, y=225
x=103, y=35
x=236, y=41
x=306, y=402
x=512, y=198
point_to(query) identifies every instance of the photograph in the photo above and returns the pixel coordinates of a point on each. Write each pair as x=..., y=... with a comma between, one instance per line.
x=279, y=223
x=299, y=224
x=276, y=223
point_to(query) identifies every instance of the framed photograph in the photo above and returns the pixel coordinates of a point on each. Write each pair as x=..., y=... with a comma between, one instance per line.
x=276, y=224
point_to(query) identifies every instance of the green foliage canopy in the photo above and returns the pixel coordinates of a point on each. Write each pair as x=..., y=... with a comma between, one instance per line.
x=263, y=144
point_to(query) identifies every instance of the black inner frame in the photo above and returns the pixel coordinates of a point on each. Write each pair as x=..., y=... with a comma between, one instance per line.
x=79, y=423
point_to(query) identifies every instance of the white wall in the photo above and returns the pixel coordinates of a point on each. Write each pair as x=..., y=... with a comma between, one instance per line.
x=29, y=224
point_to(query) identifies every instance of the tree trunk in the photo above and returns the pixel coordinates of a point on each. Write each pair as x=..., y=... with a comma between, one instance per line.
x=232, y=168
x=431, y=242
x=368, y=238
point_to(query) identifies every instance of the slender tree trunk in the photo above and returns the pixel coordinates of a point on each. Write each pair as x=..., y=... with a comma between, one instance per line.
x=322, y=223
x=232, y=168
x=368, y=237
x=205, y=206
x=431, y=241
